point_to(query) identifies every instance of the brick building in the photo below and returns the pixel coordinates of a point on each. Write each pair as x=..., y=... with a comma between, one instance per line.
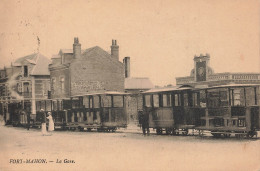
x=77, y=72
x=203, y=75
x=24, y=82
x=134, y=86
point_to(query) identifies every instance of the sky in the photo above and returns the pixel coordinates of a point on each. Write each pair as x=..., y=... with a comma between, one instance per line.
x=160, y=36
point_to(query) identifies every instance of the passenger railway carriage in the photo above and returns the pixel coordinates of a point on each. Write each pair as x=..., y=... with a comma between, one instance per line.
x=169, y=110
x=101, y=111
x=229, y=109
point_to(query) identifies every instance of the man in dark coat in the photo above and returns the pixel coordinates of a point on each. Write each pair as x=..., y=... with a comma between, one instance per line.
x=144, y=120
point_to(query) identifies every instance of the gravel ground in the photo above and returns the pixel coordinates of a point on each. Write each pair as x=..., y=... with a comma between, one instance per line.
x=123, y=150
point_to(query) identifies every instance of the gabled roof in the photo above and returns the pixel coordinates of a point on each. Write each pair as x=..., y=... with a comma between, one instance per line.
x=39, y=62
x=138, y=83
x=41, y=66
x=30, y=58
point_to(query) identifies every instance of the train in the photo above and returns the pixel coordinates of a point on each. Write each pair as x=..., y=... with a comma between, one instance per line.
x=224, y=110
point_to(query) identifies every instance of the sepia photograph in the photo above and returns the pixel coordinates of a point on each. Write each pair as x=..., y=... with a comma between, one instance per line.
x=130, y=85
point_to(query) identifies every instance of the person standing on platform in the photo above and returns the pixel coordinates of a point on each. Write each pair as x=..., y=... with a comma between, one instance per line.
x=51, y=123
x=28, y=120
x=43, y=122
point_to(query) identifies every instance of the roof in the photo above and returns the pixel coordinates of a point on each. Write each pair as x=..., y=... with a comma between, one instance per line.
x=138, y=83
x=39, y=62
x=41, y=66
x=167, y=89
x=229, y=86
x=66, y=50
x=103, y=93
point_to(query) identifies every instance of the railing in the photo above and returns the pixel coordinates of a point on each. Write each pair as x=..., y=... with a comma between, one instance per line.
x=184, y=80
x=222, y=76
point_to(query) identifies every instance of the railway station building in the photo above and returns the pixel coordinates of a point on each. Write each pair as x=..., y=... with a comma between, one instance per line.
x=203, y=75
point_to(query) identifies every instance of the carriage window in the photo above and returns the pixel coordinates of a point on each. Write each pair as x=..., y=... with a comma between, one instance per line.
x=91, y=102
x=106, y=101
x=223, y=96
x=213, y=98
x=96, y=102
x=86, y=101
x=147, y=100
x=167, y=100
x=177, y=99
x=118, y=101
x=186, y=103
x=195, y=99
x=237, y=97
x=54, y=105
x=48, y=105
x=38, y=105
x=156, y=100
x=250, y=96
x=202, y=99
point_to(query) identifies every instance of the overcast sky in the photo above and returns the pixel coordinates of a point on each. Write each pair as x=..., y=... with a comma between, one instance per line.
x=160, y=36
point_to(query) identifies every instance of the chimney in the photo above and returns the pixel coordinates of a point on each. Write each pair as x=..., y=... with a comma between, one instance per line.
x=126, y=62
x=114, y=50
x=76, y=48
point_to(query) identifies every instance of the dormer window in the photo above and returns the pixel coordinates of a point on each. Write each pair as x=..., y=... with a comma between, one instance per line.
x=25, y=71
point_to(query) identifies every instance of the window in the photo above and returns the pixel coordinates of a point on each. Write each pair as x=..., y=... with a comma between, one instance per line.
x=147, y=100
x=96, y=101
x=25, y=71
x=177, y=100
x=118, y=101
x=62, y=84
x=86, y=101
x=53, y=84
x=106, y=101
x=156, y=100
x=167, y=100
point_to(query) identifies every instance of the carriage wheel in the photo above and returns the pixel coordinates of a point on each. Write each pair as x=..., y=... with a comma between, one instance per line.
x=216, y=135
x=159, y=131
x=185, y=132
x=168, y=131
x=251, y=134
x=227, y=135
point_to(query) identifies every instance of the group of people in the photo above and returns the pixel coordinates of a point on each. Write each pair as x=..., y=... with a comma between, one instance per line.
x=43, y=120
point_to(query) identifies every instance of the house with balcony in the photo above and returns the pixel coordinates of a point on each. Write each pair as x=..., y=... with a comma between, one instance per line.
x=203, y=75
x=25, y=82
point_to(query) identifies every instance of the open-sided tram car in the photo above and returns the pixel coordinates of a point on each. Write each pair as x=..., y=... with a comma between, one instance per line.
x=17, y=113
x=169, y=110
x=101, y=111
x=229, y=109
x=56, y=107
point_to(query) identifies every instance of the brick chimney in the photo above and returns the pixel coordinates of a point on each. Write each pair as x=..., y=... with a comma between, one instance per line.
x=76, y=48
x=126, y=62
x=114, y=50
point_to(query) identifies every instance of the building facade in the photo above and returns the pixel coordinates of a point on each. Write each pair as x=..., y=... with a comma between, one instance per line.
x=26, y=81
x=77, y=72
x=203, y=75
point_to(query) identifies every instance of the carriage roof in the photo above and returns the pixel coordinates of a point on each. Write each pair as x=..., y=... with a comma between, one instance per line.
x=228, y=86
x=103, y=93
x=166, y=89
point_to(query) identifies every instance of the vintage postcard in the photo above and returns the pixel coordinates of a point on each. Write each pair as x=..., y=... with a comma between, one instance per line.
x=129, y=85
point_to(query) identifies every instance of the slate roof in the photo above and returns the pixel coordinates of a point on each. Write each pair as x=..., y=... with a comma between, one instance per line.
x=40, y=63
x=138, y=83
